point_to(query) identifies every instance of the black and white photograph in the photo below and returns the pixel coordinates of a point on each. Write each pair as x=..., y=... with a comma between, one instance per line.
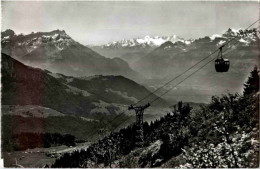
x=130, y=84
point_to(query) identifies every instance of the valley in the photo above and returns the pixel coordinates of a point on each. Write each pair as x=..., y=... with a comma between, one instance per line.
x=159, y=59
x=62, y=100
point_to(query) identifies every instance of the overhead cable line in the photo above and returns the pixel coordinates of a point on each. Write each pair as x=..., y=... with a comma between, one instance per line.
x=186, y=70
x=183, y=74
x=191, y=67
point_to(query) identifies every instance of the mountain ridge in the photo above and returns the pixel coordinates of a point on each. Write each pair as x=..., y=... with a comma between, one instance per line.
x=162, y=64
x=156, y=41
x=58, y=52
x=145, y=42
x=23, y=85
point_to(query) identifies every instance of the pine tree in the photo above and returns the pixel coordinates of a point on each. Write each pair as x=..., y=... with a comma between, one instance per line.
x=252, y=84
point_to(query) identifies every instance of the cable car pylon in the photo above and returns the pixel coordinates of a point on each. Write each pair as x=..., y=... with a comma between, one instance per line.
x=139, y=110
x=145, y=97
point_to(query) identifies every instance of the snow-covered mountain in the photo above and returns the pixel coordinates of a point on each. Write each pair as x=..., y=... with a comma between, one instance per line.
x=243, y=36
x=131, y=50
x=156, y=41
x=57, y=39
x=169, y=53
x=58, y=52
x=171, y=59
x=144, y=42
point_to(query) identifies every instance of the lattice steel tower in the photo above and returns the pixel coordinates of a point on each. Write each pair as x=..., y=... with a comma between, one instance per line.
x=139, y=110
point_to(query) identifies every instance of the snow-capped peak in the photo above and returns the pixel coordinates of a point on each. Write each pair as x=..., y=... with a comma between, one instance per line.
x=147, y=37
x=213, y=37
x=146, y=41
x=57, y=38
x=231, y=32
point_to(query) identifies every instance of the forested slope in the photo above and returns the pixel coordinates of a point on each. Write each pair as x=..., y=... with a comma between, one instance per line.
x=222, y=134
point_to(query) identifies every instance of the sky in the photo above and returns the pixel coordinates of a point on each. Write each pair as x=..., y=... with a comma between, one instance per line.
x=90, y=22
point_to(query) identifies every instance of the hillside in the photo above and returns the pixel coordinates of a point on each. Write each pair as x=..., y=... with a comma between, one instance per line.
x=127, y=54
x=23, y=85
x=223, y=134
x=58, y=52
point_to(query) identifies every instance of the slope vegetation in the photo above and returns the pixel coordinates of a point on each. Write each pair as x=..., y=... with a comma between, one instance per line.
x=224, y=133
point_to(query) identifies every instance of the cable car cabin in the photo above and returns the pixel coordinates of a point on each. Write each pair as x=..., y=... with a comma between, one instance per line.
x=221, y=65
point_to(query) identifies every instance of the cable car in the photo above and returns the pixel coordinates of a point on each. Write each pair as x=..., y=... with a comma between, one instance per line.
x=221, y=64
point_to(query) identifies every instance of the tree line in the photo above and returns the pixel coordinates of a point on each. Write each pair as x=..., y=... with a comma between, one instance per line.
x=223, y=133
x=26, y=140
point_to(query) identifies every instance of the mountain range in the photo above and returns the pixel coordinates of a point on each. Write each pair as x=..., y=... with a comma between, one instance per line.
x=159, y=64
x=152, y=61
x=156, y=41
x=176, y=57
x=58, y=52
x=24, y=85
x=131, y=50
x=145, y=42
x=171, y=59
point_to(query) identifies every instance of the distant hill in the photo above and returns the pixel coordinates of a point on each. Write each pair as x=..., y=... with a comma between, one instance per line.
x=58, y=52
x=24, y=85
x=29, y=111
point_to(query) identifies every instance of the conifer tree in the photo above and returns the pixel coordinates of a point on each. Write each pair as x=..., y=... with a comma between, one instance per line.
x=252, y=84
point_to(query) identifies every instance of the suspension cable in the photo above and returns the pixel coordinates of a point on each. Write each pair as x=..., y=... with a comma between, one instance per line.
x=158, y=97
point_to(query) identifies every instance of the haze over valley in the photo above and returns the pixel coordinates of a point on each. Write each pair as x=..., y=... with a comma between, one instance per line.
x=149, y=61
x=133, y=84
